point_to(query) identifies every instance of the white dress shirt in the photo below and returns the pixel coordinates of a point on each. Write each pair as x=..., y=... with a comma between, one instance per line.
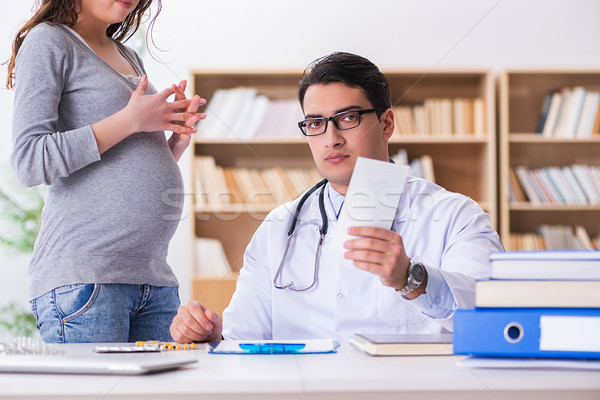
x=448, y=232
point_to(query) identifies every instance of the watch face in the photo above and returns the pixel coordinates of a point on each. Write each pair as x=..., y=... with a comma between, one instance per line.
x=418, y=272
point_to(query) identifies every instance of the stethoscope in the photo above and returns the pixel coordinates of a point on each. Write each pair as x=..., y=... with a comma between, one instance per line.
x=322, y=233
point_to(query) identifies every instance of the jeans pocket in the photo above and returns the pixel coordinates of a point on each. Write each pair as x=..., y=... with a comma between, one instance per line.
x=73, y=300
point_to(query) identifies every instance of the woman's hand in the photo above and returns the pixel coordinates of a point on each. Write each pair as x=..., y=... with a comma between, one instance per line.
x=149, y=113
x=178, y=142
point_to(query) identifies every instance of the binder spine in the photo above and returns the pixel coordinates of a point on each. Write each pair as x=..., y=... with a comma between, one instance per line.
x=543, y=333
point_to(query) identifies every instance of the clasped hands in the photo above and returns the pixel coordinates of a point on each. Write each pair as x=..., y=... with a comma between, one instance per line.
x=376, y=250
x=155, y=112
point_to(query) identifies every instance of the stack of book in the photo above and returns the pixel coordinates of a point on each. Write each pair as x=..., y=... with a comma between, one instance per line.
x=242, y=113
x=554, y=237
x=570, y=113
x=442, y=117
x=217, y=187
x=543, y=304
x=569, y=185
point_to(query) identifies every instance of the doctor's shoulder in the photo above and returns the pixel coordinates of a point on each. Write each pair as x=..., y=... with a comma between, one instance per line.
x=285, y=212
x=423, y=192
x=282, y=213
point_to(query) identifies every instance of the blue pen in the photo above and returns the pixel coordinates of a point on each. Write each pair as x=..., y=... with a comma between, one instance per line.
x=272, y=348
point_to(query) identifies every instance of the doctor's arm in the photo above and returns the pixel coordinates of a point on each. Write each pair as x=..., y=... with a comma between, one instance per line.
x=450, y=281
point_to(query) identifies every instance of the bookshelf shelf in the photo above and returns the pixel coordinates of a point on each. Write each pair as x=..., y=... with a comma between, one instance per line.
x=235, y=209
x=526, y=206
x=538, y=139
x=458, y=140
x=395, y=139
x=522, y=93
x=464, y=163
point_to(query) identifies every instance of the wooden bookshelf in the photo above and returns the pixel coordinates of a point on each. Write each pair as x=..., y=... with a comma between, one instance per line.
x=521, y=94
x=462, y=163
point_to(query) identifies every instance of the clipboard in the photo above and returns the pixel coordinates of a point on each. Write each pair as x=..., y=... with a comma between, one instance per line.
x=312, y=346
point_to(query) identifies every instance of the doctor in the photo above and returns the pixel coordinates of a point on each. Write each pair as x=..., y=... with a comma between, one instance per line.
x=409, y=279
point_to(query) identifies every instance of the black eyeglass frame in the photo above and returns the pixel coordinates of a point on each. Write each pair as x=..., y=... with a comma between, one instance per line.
x=359, y=111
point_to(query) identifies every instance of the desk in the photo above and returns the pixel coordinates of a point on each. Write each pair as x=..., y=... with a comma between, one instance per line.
x=347, y=374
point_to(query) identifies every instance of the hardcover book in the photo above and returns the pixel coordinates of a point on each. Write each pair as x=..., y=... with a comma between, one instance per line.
x=537, y=293
x=402, y=345
x=551, y=265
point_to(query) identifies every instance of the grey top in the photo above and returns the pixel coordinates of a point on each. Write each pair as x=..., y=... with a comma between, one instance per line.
x=108, y=218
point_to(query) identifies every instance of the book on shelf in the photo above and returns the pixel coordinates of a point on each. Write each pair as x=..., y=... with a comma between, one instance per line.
x=570, y=113
x=541, y=265
x=554, y=237
x=442, y=117
x=527, y=332
x=557, y=237
x=575, y=186
x=562, y=112
x=537, y=293
x=210, y=258
x=479, y=117
x=582, y=237
x=217, y=186
x=545, y=189
x=515, y=187
x=402, y=344
x=544, y=112
x=567, y=185
x=589, y=112
x=573, y=110
x=243, y=113
x=528, y=184
x=547, y=129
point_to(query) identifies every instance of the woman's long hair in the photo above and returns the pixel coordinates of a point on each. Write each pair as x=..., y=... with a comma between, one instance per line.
x=55, y=12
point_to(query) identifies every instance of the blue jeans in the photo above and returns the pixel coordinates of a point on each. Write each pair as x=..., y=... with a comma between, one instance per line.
x=99, y=313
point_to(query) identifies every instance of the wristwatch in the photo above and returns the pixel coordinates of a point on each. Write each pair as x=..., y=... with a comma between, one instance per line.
x=416, y=276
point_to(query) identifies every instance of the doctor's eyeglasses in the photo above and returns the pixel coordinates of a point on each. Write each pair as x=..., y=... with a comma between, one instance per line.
x=342, y=121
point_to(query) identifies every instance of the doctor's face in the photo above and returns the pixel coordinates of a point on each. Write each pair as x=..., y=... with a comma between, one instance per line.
x=335, y=151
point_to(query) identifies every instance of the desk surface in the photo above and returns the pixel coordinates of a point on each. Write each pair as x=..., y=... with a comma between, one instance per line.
x=347, y=374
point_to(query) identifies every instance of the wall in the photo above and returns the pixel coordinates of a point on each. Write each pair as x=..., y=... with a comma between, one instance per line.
x=275, y=34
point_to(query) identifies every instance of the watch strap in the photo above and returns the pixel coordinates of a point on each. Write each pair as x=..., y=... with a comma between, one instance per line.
x=411, y=284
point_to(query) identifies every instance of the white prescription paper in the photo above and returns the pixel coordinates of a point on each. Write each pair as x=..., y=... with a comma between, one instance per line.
x=372, y=198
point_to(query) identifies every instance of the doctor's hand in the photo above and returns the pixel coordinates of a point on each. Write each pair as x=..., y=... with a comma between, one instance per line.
x=381, y=252
x=195, y=323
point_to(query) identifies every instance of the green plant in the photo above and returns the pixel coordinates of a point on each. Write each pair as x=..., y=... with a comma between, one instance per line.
x=16, y=322
x=20, y=219
x=20, y=215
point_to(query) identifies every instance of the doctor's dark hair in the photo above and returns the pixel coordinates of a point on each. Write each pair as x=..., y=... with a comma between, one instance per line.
x=353, y=71
x=65, y=12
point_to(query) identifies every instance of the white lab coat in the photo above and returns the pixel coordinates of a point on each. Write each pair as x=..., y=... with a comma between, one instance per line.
x=448, y=232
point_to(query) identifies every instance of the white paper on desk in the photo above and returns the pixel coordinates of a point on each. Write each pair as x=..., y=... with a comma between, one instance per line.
x=529, y=363
x=372, y=198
